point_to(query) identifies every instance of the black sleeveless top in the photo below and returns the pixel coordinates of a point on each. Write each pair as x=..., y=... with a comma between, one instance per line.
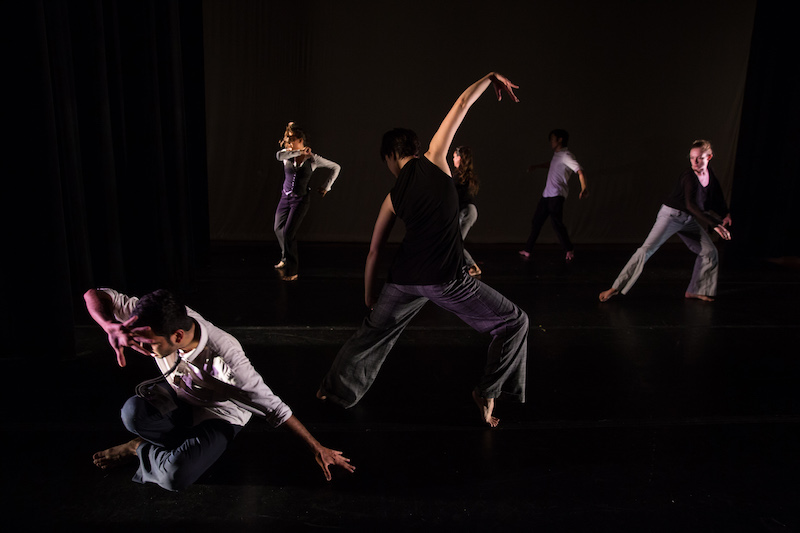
x=425, y=199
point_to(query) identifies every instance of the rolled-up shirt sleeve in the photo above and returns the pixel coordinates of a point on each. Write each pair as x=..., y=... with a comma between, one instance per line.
x=247, y=379
x=123, y=305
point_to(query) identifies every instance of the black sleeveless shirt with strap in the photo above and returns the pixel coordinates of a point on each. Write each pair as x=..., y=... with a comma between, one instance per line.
x=425, y=199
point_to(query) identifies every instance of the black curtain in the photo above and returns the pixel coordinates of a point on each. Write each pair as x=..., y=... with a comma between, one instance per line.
x=767, y=171
x=106, y=163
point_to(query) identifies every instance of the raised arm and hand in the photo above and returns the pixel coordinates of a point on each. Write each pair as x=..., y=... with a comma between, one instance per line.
x=325, y=457
x=120, y=334
x=440, y=144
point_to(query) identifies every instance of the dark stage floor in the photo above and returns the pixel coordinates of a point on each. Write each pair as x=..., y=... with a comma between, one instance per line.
x=646, y=413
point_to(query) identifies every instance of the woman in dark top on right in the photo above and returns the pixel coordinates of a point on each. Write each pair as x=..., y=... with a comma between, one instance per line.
x=693, y=210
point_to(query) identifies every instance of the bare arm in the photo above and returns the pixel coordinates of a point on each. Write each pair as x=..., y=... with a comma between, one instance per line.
x=100, y=308
x=582, y=178
x=443, y=138
x=325, y=456
x=380, y=234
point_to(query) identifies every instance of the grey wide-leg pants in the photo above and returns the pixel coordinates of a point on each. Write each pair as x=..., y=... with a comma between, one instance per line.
x=357, y=364
x=670, y=221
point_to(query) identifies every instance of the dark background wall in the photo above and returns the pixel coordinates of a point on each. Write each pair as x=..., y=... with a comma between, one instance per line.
x=634, y=86
x=138, y=131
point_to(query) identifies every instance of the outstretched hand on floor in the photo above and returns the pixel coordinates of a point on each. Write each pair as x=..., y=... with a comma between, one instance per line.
x=326, y=457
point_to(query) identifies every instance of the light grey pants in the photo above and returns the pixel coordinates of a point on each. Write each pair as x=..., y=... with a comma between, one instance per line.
x=670, y=221
x=466, y=218
x=357, y=364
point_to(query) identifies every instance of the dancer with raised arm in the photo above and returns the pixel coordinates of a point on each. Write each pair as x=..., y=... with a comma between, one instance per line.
x=693, y=212
x=429, y=265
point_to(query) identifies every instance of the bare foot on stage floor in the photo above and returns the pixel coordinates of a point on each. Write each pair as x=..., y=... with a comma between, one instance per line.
x=118, y=455
x=486, y=406
x=606, y=295
x=699, y=297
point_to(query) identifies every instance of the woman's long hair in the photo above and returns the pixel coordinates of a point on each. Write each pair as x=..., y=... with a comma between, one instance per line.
x=465, y=173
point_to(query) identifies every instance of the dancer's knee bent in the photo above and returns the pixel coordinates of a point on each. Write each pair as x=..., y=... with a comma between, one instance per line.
x=134, y=413
x=520, y=324
x=711, y=256
x=176, y=476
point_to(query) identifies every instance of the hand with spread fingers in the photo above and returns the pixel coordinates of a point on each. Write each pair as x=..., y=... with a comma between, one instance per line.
x=120, y=335
x=327, y=457
x=502, y=84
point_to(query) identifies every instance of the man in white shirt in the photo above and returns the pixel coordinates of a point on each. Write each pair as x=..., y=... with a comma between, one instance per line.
x=551, y=204
x=185, y=419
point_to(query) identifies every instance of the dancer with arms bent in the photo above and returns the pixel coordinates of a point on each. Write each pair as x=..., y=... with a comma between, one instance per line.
x=551, y=204
x=299, y=163
x=693, y=212
x=185, y=419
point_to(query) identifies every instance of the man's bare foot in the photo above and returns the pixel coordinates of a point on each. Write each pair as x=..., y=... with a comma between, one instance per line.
x=118, y=455
x=570, y=257
x=486, y=406
x=524, y=253
x=699, y=297
x=321, y=395
x=606, y=295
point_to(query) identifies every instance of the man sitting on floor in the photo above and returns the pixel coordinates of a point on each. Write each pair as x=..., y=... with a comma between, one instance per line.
x=186, y=418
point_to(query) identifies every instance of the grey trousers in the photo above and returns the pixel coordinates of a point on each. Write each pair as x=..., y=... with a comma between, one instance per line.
x=670, y=221
x=466, y=218
x=357, y=364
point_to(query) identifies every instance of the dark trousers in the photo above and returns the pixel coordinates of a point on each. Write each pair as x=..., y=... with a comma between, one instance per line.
x=552, y=207
x=175, y=453
x=290, y=213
